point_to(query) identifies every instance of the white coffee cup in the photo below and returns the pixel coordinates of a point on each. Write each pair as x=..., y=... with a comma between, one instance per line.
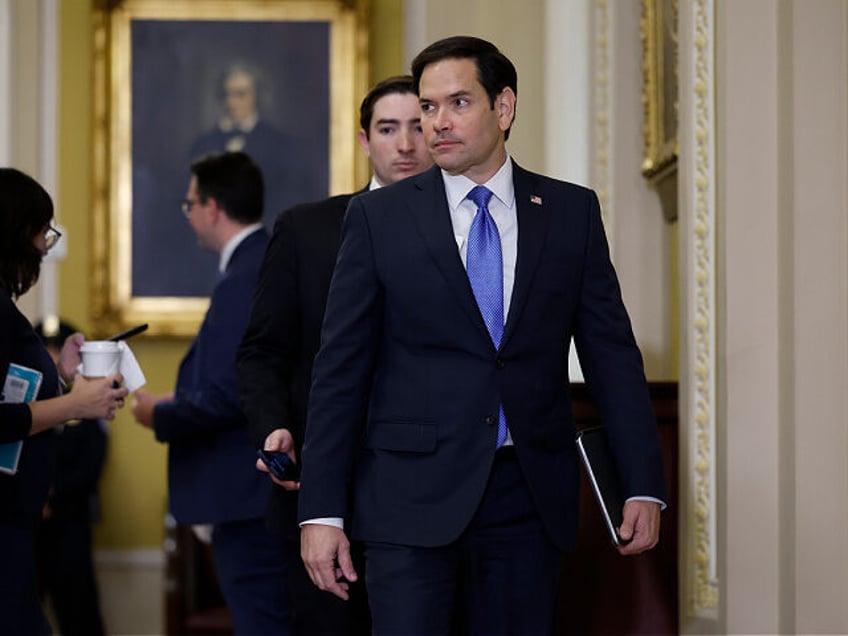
x=100, y=358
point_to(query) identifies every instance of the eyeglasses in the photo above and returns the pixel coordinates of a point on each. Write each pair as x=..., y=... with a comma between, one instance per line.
x=187, y=205
x=51, y=236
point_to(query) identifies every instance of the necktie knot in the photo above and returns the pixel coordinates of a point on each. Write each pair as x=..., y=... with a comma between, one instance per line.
x=480, y=195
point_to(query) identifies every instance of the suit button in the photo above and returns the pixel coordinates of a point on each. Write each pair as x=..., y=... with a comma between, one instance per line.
x=490, y=420
x=499, y=363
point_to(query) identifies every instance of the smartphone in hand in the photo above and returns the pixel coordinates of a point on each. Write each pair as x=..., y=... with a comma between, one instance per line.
x=280, y=465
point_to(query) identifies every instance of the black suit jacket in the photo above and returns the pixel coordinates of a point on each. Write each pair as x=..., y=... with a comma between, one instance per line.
x=284, y=332
x=405, y=346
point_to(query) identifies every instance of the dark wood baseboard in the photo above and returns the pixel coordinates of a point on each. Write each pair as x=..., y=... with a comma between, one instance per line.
x=603, y=592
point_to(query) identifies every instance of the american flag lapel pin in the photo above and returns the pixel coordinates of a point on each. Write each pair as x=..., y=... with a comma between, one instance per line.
x=535, y=198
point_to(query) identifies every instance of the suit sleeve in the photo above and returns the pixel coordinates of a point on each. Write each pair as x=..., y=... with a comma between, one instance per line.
x=270, y=348
x=613, y=367
x=350, y=341
x=210, y=404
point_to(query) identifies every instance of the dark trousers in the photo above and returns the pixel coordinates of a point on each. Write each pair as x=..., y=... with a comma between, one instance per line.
x=319, y=613
x=20, y=608
x=252, y=574
x=66, y=576
x=499, y=577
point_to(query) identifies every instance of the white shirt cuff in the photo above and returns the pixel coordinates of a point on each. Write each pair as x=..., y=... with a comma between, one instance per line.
x=336, y=522
x=662, y=504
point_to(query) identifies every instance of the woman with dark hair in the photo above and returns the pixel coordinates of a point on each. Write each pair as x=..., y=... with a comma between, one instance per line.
x=26, y=235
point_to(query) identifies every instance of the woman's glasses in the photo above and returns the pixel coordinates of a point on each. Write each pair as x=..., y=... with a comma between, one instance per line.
x=51, y=236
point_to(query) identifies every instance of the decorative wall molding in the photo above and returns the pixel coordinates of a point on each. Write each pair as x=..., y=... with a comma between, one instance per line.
x=703, y=588
x=603, y=112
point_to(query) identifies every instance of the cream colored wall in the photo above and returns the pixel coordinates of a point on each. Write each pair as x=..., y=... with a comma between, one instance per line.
x=815, y=369
x=781, y=148
x=643, y=247
x=750, y=417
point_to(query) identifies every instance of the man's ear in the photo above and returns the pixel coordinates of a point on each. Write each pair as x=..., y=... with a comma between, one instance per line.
x=364, y=143
x=505, y=106
x=213, y=208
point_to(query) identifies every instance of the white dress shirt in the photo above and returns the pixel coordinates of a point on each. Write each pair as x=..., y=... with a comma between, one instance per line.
x=233, y=243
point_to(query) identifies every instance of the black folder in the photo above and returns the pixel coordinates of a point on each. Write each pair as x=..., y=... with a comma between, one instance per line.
x=595, y=452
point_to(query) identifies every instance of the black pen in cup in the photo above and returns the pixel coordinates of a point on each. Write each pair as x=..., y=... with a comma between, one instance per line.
x=128, y=333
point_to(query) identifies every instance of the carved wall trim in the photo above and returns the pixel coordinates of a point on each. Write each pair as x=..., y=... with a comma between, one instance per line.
x=602, y=177
x=701, y=551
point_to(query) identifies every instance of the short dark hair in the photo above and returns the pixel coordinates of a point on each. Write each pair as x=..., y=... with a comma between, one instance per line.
x=234, y=181
x=25, y=210
x=396, y=84
x=495, y=72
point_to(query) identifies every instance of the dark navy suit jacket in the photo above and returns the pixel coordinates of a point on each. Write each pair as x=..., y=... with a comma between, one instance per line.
x=404, y=343
x=211, y=460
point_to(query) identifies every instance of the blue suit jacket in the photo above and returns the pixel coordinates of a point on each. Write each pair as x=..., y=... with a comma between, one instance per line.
x=405, y=346
x=211, y=473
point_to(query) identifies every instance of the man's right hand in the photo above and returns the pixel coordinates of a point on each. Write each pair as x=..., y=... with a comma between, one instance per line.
x=280, y=439
x=326, y=555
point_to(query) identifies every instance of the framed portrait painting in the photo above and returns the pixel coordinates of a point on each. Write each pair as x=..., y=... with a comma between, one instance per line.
x=659, y=86
x=178, y=79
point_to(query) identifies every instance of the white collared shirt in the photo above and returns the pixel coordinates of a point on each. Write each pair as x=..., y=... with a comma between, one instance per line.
x=501, y=207
x=233, y=243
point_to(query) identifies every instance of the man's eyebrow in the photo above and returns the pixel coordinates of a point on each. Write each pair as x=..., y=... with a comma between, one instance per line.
x=462, y=93
x=386, y=120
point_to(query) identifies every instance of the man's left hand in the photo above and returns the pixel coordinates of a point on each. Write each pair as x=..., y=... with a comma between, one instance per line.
x=641, y=524
x=143, y=403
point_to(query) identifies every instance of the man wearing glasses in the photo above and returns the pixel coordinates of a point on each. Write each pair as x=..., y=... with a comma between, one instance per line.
x=211, y=479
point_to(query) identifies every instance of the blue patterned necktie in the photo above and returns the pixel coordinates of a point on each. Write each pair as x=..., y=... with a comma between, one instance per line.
x=484, y=265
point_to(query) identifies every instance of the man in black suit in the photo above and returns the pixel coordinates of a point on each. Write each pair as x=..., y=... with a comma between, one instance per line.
x=440, y=394
x=209, y=446
x=275, y=357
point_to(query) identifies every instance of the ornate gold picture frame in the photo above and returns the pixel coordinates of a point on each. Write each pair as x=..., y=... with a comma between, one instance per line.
x=164, y=94
x=659, y=87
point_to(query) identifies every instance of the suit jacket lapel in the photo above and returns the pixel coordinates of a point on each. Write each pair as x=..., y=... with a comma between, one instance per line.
x=533, y=216
x=432, y=217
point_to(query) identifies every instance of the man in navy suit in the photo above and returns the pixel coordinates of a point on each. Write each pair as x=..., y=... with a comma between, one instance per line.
x=446, y=409
x=210, y=453
x=275, y=357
